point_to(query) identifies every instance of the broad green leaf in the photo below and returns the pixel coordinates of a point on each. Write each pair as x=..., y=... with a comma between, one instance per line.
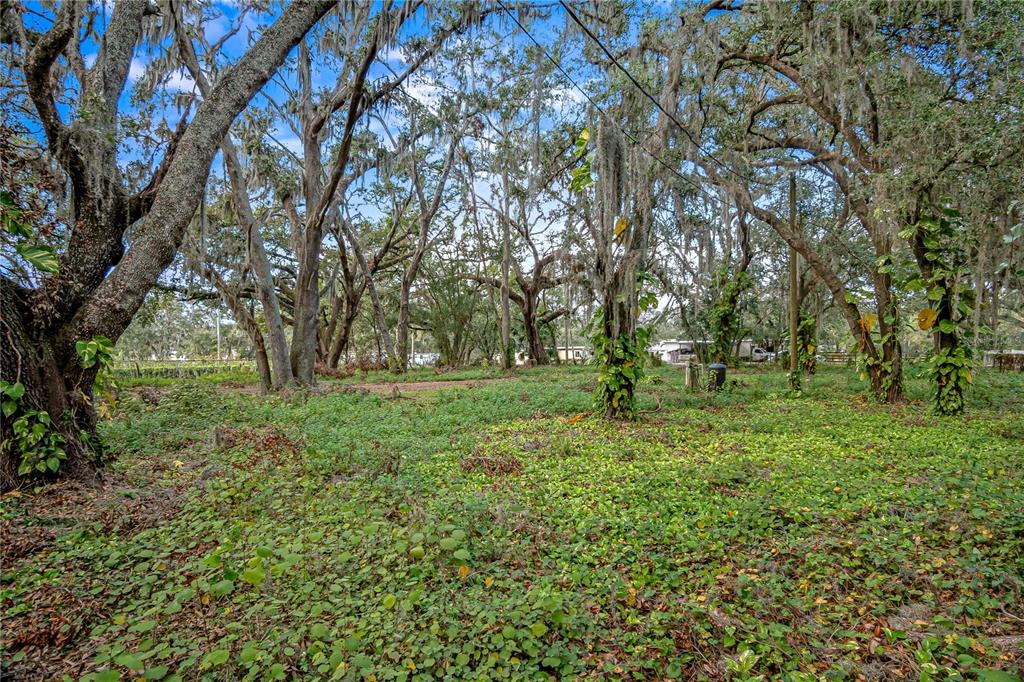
x=130, y=661
x=253, y=576
x=42, y=258
x=216, y=657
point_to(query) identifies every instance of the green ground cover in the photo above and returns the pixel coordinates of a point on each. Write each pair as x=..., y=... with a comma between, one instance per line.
x=494, y=531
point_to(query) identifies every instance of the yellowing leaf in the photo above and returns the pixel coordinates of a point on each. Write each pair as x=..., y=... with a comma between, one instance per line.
x=585, y=135
x=463, y=571
x=926, y=318
x=620, y=229
x=869, y=321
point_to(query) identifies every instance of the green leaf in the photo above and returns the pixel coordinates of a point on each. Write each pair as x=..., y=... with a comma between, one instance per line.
x=216, y=657
x=992, y=675
x=222, y=588
x=448, y=544
x=253, y=576
x=109, y=675
x=318, y=631
x=538, y=629
x=389, y=601
x=130, y=661
x=462, y=555
x=144, y=626
x=157, y=673
x=42, y=258
x=15, y=391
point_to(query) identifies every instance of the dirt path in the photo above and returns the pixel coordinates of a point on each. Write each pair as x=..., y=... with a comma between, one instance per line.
x=419, y=386
x=152, y=394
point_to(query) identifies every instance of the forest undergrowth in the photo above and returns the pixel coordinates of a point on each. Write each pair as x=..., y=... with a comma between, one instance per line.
x=498, y=531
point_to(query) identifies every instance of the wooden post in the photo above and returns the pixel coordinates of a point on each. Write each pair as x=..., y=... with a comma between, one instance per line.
x=794, y=304
x=568, y=309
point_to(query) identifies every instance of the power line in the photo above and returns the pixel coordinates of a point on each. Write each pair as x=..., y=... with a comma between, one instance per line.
x=597, y=106
x=590, y=34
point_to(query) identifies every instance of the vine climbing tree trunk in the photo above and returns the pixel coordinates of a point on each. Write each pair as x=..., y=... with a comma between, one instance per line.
x=723, y=319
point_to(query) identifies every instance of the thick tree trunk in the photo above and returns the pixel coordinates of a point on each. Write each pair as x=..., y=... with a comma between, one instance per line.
x=948, y=391
x=54, y=382
x=534, y=342
x=945, y=385
x=98, y=290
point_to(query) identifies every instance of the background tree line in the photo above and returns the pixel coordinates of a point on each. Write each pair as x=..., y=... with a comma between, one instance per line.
x=362, y=182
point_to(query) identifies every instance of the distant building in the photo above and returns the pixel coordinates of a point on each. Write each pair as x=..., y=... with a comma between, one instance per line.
x=677, y=351
x=577, y=355
x=683, y=351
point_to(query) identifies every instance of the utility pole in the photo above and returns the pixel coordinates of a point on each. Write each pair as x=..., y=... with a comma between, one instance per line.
x=794, y=304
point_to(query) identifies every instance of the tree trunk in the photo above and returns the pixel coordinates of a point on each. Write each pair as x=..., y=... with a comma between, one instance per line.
x=246, y=321
x=54, y=382
x=507, y=352
x=534, y=342
x=378, y=309
x=282, y=369
x=885, y=371
x=340, y=342
x=101, y=286
x=402, y=360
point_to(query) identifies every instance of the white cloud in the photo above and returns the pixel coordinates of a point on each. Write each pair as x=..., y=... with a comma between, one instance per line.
x=393, y=55
x=136, y=69
x=567, y=95
x=214, y=30
x=424, y=93
x=180, y=81
x=177, y=81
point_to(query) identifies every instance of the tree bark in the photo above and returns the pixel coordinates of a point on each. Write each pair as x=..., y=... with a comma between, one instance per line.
x=427, y=212
x=282, y=371
x=378, y=309
x=282, y=368
x=98, y=290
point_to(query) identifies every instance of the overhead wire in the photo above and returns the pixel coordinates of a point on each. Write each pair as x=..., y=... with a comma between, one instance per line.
x=632, y=138
x=639, y=86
